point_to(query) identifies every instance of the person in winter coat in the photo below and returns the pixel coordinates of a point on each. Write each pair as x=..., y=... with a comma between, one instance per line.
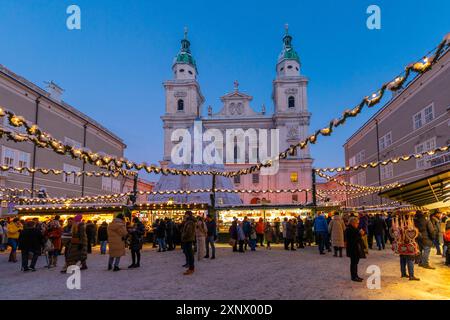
x=211, y=236
x=268, y=234
x=241, y=235
x=117, y=232
x=201, y=231
x=379, y=227
x=425, y=238
x=447, y=242
x=253, y=236
x=187, y=240
x=136, y=233
x=364, y=226
x=284, y=230
x=66, y=236
x=78, y=244
x=3, y=235
x=54, y=233
x=170, y=234
x=355, y=247
x=277, y=230
x=260, y=232
x=300, y=233
x=161, y=235
x=309, y=235
x=321, y=230
x=102, y=236
x=234, y=235
x=290, y=235
x=246, y=228
x=30, y=241
x=337, y=228
x=436, y=221
x=91, y=231
x=13, y=232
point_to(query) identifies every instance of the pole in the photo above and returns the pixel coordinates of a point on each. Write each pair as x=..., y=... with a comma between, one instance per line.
x=306, y=197
x=378, y=158
x=212, y=207
x=314, y=200
x=36, y=117
x=135, y=183
x=83, y=177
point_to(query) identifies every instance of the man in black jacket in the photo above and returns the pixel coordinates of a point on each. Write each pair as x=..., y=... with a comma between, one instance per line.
x=211, y=237
x=425, y=238
x=30, y=241
x=378, y=231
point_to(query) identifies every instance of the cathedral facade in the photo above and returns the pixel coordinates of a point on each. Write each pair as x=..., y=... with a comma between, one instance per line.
x=184, y=108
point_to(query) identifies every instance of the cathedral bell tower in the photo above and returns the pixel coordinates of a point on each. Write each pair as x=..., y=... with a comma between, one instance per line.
x=183, y=96
x=290, y=99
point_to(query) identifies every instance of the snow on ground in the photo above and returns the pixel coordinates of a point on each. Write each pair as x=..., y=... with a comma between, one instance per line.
x=264, y=274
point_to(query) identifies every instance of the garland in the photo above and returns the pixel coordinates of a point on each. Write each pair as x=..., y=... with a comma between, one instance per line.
x=394, y=160
x=45, y=140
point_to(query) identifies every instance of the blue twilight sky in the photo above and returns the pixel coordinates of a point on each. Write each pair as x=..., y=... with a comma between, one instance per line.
x=113, y=68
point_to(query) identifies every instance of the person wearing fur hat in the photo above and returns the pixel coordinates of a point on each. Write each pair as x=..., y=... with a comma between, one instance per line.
x=117, y=233
x=78, y=244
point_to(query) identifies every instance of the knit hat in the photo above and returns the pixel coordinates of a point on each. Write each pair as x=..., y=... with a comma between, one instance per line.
x=78, y=217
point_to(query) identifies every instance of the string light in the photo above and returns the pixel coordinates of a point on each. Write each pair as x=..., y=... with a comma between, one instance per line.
x=76, y=173
x=360, y=187
x=45, y=140
x=385, y=162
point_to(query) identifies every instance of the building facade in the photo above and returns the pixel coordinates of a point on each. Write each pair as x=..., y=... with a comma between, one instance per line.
x=63, y=122
x=417, y=119
x=142, y=185
x=184, y=106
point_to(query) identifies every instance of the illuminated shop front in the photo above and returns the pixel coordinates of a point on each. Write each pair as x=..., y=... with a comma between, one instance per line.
x=269, y=213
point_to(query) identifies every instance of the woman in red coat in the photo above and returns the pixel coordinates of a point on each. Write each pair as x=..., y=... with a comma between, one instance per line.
x=260, y=232
x=54, y=243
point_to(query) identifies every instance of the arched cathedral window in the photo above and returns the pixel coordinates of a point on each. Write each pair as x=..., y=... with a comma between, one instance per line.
x=291, y=102
x=180, y=106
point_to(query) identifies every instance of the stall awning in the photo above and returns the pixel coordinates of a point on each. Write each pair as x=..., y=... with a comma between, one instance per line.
x=431, y=192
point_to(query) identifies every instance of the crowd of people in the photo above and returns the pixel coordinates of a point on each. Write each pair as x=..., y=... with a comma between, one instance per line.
x=357, y=233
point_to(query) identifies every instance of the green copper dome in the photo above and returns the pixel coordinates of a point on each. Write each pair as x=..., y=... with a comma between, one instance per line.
x=288, y=50
x=185, y=56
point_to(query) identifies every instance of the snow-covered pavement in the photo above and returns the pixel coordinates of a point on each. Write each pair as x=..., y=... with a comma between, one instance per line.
x=264, y=274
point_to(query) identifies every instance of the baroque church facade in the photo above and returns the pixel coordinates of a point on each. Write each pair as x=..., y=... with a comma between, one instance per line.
x=184, y=107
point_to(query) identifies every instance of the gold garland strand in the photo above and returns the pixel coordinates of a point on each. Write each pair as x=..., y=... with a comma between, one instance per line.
x=357, y=186
x=393, y=160
x=45, y=171
x=44, y=140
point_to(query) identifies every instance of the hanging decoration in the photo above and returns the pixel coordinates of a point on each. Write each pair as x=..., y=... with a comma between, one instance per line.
x=44, y=140
x=119, y=172
x=394, y=160
x=357, y=186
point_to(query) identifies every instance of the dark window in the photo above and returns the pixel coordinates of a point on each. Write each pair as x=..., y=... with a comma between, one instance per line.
x=296, y=68
x=237, y=179
x=255, y=178
x=281, y=69
x=180, y=105
x=181, y=70
x=291, y=102
x=294, y=198
x=190, y=72
x=289, y=67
